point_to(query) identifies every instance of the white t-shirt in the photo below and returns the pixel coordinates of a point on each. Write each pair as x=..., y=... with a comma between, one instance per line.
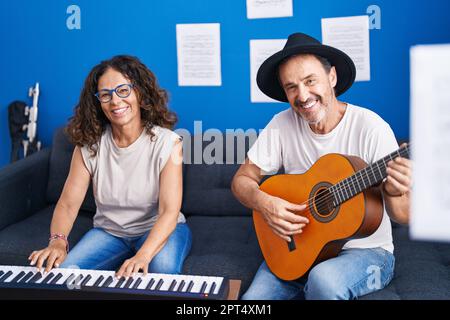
x=288, y=142
x=126, y=181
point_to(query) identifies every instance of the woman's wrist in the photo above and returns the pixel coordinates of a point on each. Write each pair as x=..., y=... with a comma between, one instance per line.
x=145, y=253
x=59, y=238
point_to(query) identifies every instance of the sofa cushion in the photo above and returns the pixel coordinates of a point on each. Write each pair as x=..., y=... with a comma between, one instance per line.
x=209, y=168
x=223, y=246
x=421, y=269
x=20, y=239
x=207, y=191
x=60, y=159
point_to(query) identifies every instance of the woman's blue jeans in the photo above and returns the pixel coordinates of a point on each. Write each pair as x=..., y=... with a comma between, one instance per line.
x=100, y=250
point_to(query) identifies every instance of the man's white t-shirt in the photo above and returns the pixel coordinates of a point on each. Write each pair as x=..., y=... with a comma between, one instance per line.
x=288, y=142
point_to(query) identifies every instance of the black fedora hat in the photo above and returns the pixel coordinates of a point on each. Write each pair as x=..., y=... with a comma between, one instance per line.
x=300, y=43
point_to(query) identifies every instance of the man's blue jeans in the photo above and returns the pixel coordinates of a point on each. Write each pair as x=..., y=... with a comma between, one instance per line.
x=100, y=250
x=353, y=273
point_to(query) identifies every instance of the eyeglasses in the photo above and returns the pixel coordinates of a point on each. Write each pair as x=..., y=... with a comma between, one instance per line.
x=122, y=91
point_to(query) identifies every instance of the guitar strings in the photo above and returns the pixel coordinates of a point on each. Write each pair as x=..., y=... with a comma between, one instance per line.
x=402, y=151
x=345, y=185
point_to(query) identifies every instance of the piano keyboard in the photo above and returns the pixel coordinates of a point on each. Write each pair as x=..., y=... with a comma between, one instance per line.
x=27, y=282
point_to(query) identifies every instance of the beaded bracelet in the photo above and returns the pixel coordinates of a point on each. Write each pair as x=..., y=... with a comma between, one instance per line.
x=59, y=236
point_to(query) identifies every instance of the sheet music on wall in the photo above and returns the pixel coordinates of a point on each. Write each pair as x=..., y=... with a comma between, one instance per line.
x=260, y=50
x=430, y=142
x=257, y=9
x=198, y=53
x=351, y=35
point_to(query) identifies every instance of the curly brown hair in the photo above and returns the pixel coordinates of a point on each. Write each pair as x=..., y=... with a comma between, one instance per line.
x=86, y=127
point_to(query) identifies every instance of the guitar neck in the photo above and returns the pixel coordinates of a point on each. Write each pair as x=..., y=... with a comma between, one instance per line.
x=365, y=178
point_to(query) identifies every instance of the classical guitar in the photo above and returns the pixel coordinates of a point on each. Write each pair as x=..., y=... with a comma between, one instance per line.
x=343, y=200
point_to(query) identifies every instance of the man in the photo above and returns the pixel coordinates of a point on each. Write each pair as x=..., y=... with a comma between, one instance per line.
x=310, y=76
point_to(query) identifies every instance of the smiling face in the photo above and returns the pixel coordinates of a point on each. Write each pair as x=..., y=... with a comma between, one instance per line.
x=308, y=87
x=119, y=111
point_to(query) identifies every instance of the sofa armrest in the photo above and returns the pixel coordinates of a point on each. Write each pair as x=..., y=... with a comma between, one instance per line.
x=23, y=186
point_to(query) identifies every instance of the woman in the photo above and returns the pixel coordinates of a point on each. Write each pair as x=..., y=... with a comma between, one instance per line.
x=121, y=130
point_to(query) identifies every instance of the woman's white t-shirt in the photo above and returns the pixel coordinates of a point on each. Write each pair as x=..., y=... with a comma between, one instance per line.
x=126, y=181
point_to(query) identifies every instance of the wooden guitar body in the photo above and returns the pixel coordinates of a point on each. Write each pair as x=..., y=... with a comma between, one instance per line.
x=329, y=226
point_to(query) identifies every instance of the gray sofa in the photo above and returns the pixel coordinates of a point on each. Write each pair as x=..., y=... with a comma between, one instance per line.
x=224, y=241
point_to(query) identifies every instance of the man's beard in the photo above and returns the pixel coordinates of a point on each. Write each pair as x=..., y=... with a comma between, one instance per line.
x=319, y=115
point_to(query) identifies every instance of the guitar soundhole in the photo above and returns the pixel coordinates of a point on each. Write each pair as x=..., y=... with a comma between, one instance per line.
x=321, y=206
x=323, y=202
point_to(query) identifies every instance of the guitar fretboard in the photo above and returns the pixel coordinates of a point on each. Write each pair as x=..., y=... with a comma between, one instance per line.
x=365, y=178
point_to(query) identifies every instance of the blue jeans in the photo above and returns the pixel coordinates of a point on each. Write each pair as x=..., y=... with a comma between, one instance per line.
x=103, y=251
x=353, y=273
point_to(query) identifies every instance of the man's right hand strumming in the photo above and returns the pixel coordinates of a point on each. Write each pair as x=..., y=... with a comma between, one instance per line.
x=281, y=217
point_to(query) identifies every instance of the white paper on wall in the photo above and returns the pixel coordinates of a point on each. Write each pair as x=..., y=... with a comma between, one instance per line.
x=350, y=35
x=257, y=9
x=260, y=50
x=198, y=54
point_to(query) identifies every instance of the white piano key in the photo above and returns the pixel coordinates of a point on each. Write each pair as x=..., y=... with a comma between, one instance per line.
x=156, y=277
x=41, y=278
x=187, y=279
x=167, y=281
x=144, y=283
x=11, y=276
x=93, y=279
x=35, y=272
x=212, y=280
x=65, y=275
x=197, y=285
x=219, y=282
x=177, y=286
x=114, y=282
x=95, y=274
x=15, y=272
x=209, y=282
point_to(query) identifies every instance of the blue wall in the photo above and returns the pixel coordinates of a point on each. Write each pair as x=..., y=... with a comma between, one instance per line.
x=37, y=46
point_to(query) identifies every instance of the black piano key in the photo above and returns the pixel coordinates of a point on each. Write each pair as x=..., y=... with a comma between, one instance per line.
x=27, y=277
x=108, y=281
x=150, y=283
x=47, y=278
x=203, y=288
x=180, y=287
x=120, y=282
x=6, y=276
x=78, y=280
x=69, y=279
x=160, y=283
x=98, y=281
x=213, y=287
x=83, y=283
x=19, y=275
x=129, y=282
x=137, y=283
x=55, y=279
x=36, y=277
x=172, y=285
x=189, y=288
